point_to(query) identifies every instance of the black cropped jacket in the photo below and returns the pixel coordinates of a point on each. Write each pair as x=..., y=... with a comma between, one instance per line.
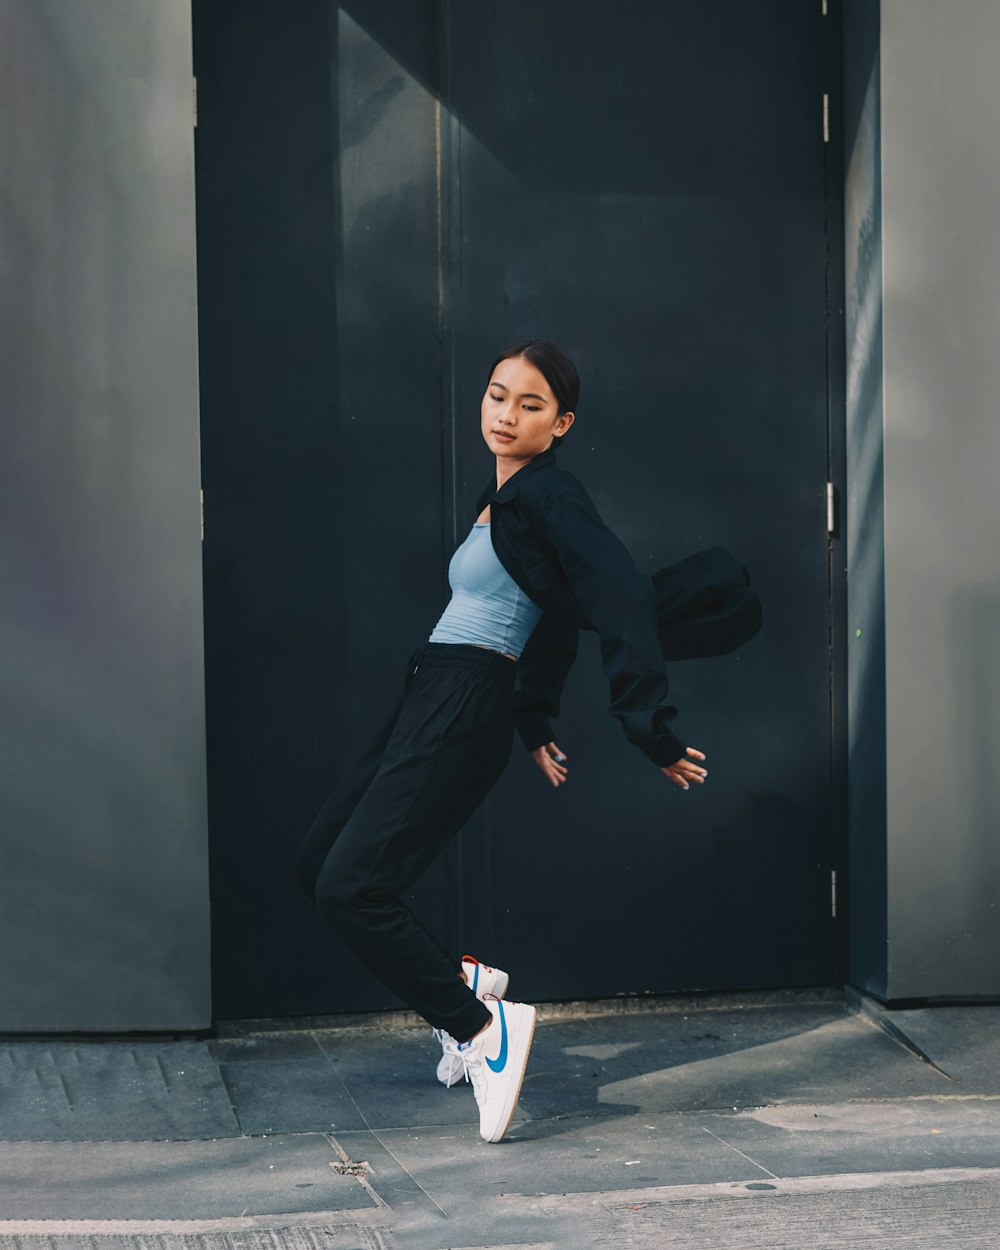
x=549, y=537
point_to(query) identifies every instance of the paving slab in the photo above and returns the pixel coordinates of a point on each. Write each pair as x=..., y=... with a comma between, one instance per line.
x=458, y=1170
x=963, y=1041
x=390, y=1075
x=234, y=1177
x=864, y=1136
x=728, y=1059
x=112, y=1090
x=568, y=1068
x=928, y=1210
x=290, y=1096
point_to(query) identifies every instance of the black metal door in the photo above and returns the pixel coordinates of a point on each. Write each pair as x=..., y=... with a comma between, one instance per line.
x=643, y=183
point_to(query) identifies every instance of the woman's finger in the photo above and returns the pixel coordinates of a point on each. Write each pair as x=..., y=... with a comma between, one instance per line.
x=698, y=755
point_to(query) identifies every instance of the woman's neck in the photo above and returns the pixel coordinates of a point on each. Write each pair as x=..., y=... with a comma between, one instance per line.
x=507, y=467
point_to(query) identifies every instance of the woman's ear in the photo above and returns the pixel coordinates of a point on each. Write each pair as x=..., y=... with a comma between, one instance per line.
x=563, y=422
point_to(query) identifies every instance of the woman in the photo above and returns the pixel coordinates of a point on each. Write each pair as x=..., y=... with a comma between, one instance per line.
x=537, y=565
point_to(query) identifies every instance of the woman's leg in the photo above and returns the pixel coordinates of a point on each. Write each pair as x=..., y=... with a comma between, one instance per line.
x=337, y=810
x=447, y=748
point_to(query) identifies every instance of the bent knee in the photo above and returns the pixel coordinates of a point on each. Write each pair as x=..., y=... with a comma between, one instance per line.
x=306, y=871
x=341, y=902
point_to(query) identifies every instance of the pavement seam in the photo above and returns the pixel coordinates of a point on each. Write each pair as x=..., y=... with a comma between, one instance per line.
x=353, y=1169
x=343, y=1084
x=753, y=1162
x=402, y=1166
x=374, y=1133
x=232, y=1101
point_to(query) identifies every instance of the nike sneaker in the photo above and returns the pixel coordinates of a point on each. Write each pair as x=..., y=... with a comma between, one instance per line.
x=494, y=1061
x=482, y=980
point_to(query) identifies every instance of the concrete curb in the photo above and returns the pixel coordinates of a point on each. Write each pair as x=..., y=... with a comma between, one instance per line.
x=674, y=1004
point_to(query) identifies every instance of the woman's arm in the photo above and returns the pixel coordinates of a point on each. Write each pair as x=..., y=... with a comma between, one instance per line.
x=542, y=670
x=619, y=602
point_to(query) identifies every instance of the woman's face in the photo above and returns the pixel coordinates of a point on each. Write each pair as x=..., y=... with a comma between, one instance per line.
x=519, y=412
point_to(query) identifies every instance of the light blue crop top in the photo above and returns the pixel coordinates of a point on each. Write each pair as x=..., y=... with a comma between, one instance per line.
x=487, y=607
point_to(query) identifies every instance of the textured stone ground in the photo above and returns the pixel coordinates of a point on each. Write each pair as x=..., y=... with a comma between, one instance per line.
x=768, y=1121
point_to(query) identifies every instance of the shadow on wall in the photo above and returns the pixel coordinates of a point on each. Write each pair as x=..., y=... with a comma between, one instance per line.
x=489, y=45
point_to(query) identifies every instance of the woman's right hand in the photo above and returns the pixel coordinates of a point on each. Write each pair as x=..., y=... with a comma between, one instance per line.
x=552, y=762
x=683, y=771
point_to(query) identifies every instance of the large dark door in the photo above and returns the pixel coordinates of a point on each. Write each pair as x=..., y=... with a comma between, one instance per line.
x=644, y=184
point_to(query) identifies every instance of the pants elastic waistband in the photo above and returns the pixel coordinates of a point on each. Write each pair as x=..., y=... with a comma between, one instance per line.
x=463, y=653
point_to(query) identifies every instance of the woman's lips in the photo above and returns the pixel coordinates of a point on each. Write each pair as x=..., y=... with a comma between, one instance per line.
x=507, y=438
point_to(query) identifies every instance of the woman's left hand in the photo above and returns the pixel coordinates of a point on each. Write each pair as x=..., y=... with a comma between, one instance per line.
x=552, y=762
x=683, y=771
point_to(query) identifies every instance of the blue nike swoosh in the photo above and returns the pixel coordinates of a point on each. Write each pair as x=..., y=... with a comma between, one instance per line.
x=500, y=1062
x=475, y=979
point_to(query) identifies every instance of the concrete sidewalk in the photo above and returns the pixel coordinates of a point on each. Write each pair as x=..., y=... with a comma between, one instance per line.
x=785, y=1120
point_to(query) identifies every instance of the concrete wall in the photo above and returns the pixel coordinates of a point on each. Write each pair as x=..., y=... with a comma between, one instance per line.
x=103, y=894
x=931, y=130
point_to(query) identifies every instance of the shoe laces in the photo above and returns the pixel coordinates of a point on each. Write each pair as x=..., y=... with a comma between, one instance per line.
x=450, y=1048
x=472, y=1065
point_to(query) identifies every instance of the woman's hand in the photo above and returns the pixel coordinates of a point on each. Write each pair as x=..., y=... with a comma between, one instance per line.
x=683, y=772
x=552, y=762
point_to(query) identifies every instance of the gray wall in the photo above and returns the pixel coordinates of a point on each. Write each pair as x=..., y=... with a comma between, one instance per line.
x=931, y=132
x=103, y=893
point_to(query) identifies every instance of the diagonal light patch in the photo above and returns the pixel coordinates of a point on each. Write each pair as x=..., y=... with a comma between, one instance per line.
x=601, y=1050
x=783, y=1069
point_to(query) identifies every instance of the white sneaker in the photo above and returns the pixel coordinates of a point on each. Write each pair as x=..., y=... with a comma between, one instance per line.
x=495, y=1061
x=482, y=980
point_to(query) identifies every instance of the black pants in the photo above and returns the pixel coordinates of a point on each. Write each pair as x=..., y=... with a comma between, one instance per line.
x=430, y=766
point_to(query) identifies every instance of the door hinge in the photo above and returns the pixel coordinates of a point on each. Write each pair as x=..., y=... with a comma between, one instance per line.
x=831, y=509
x=201, y=510
x=833, y=893
x=826, y=118
x=194, y=100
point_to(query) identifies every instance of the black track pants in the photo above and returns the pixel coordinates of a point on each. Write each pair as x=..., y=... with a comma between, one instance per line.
x=430, y=766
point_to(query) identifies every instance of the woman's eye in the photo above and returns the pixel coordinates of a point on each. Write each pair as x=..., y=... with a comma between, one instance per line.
x=529, y=408
x=498, y=398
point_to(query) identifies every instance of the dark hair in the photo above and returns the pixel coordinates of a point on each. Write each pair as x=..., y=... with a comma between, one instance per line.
x=556, y=368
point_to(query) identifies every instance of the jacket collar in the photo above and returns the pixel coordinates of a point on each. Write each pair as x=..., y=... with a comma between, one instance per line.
x=490, y=494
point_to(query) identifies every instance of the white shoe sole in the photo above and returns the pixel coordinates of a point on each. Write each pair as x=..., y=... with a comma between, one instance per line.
x=526, y=1024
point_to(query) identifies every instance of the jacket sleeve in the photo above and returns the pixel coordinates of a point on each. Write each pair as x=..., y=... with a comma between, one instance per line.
x=620, y=604
x=542, y=670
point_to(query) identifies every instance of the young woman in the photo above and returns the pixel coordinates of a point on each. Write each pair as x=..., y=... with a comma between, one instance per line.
x=538, y=564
